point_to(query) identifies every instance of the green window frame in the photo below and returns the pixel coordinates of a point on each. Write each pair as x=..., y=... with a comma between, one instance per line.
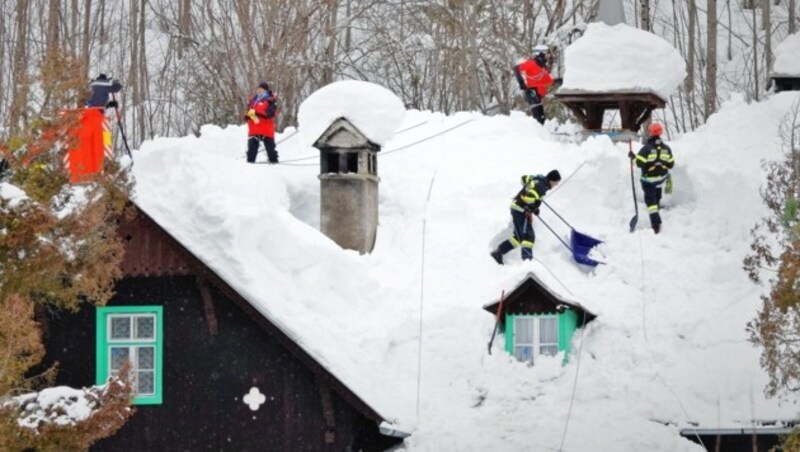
x=135, y=333
x=566, y=325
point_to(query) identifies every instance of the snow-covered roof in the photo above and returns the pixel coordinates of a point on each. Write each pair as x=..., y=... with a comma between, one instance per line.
x=787, y=57
x=672, y=308
x=621, y=58
x=372, y=109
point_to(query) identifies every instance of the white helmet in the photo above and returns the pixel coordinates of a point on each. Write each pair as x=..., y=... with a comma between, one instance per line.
x=541, y=48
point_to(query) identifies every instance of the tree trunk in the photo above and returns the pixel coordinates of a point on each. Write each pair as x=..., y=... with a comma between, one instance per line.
x=766, y=22
x=141, y=106
x=87, y=28
x=53, y=15
x=20, y=82
x=711, y=59
x=645, y=23
x=690, y=49
x=330, y=49
x=755, y=55
x=134, y=71
x=730, y=32
x=792, y=17
x=184, y=25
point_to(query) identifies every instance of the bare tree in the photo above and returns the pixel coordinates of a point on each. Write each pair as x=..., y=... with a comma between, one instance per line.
x=755, y=55
x=766, y=23
x=711, y=59
x=645, y=22
x=20, y=83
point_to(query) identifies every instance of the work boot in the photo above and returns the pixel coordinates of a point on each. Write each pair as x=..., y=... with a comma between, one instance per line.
x=657, y=228
x=497, y=256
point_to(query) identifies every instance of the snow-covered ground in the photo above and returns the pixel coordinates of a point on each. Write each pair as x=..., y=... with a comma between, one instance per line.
x=669, y=344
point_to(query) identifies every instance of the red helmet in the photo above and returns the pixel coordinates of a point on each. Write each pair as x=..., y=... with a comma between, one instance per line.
x=655, y=129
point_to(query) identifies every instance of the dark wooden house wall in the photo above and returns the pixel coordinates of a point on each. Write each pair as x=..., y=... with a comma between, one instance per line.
x=786, y=84
x=151, y=251
x=206, y=376
x=736, y=443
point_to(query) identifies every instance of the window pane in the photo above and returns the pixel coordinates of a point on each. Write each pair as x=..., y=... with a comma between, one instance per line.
x=145, y=382
x=523, y=330
x=524, y=353
x=145, y=358
x=550, y=350
x=145, y=327
x=119, y=356
x=548, y=330
x=120, y=328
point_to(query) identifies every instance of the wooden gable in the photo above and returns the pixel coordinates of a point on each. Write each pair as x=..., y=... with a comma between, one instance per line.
x=531, y=296
x=150, y=250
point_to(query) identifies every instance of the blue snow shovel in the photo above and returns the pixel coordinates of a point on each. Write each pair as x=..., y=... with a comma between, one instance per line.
x=581, y=243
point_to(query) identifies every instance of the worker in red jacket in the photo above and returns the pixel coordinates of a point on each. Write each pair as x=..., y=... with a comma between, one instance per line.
x=534, y=78
x=260, y=116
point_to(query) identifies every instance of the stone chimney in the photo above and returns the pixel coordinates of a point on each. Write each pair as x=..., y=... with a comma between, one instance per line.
x=348, y=186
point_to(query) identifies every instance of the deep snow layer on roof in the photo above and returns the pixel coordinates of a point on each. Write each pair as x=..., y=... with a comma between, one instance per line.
x=622, y=58
x=372, y=109
x=669, y=342
x=787, y=56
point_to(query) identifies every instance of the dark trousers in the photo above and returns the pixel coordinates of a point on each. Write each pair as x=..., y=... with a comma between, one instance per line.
x=535, y=103
x=523, y=236
x=269, y=145
x=652, y=197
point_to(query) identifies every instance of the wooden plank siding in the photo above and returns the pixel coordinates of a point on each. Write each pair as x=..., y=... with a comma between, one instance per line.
x=216, y=347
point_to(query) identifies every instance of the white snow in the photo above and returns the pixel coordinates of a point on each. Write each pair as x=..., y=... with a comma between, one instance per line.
x=13, y=194
x=787, y=56
x=622, y=58
x=371, y=108
x=669, y=344
x=59, y=405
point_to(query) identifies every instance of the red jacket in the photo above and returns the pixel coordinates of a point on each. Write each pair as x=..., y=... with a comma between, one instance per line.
x=534, y=76
x=265, y=110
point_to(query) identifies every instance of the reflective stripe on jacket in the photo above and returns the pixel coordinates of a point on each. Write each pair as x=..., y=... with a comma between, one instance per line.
x=533, y=190
x=655, y=159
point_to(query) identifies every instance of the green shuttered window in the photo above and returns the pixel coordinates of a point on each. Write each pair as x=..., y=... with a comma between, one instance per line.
x=534, y=335
x=132, y=334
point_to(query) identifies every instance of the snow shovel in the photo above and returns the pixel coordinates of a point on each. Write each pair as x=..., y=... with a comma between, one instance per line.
x=581, y=243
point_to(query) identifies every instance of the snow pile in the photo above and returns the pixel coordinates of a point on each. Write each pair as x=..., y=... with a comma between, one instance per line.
x=11, y=193
x=373, y=109
x=60, y=405
x=622, y=58
x=668, y=347
x=787, y=57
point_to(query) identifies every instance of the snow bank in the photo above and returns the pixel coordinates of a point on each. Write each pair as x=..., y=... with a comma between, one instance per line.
x=787, y=56
x=622, y=58
x=373, y=109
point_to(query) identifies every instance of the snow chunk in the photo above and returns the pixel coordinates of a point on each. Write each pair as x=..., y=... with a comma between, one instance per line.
x=373, y=109
x=13, y=194
x=787, y=56
x=622, y=58
x=61, y=405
